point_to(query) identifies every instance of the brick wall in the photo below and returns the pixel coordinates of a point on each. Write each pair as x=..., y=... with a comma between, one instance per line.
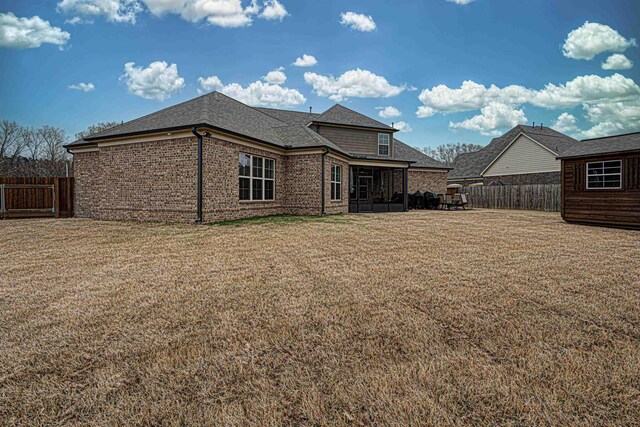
x=421, y=180
x=156, y=181
x=86, y=187
x=149, y=181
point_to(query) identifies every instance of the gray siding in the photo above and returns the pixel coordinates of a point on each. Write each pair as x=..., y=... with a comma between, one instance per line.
x=354, y=140
x=524, y=156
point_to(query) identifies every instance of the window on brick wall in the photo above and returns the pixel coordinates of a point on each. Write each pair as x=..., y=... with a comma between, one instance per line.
x=336, y=182
x=257, y=177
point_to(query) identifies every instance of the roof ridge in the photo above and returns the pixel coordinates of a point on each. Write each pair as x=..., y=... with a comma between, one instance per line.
x=147, y=115
x=253, y=108
x=610, y=136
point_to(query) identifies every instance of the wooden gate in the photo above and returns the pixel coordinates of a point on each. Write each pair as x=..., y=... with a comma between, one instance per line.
x=36, y=197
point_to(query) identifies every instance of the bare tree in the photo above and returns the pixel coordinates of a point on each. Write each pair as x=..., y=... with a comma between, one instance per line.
x=32, y=143
x=98, y=127
x=11, y=141
x=53, y=140
x=446, y=153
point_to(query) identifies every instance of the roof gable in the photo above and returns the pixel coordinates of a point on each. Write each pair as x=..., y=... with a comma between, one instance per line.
x=523, y=155
x=341, y=115
x=472, y=165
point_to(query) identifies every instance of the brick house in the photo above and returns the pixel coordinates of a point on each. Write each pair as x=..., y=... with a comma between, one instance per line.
x=213, y=158
x=523, y=155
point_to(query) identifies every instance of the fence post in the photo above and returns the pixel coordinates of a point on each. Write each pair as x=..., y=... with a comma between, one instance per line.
x=2, y=200
x=56, y=197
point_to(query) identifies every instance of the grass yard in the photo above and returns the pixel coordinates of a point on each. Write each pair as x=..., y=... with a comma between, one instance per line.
x=448, y=318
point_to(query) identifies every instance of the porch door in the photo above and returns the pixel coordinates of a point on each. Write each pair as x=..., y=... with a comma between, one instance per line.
x=365, y=196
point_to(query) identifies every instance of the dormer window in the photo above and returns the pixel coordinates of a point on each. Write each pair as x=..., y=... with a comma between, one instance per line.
x=383, y=144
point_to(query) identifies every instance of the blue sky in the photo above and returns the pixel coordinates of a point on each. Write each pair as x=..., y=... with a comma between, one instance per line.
x=415, y=60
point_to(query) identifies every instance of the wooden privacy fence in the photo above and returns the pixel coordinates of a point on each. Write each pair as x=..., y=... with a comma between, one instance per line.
x=36, y=197
x=539, y=197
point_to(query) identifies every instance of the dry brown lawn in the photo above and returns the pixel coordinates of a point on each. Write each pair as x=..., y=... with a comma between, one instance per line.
x=448, y=318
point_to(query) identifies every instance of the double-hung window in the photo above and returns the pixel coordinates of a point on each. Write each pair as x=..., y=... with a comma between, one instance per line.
x=383, y=144
x=604, y=174
x=336, y=182
x=257, y=177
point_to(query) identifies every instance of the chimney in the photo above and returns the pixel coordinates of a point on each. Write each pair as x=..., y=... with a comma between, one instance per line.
x=534, y=125
x=310, y=110
x=392, y=123
x=541, y=125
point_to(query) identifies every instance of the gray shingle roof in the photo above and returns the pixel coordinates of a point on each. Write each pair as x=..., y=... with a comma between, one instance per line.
x=345, y=116
x=402, y=150
x=471, y=165
x=610, y=144
x=291, y=117
x=214, y=109
x=287, y=129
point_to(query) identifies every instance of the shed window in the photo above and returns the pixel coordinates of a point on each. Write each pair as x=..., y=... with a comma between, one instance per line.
x=336, y=182
x=383, y=144
x=257, y=177
x=604, y=174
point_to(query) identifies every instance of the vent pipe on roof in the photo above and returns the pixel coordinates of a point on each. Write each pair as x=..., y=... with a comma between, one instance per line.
x=541, y=125
x=534, y=125
x=310, y=110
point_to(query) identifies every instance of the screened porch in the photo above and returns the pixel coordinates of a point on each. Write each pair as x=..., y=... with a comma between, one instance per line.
x=377, y=189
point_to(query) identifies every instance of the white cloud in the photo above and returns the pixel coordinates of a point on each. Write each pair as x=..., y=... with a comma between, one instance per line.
x=493, y=117
x=222, y=13
x=602, y=129
x=592, y=39
x=22, y=33
x=358, y=21
x=462, y=2
x=274, y=10
x=470, y=96
x=77, y=20
x=158, y=81
x=388, y=112
x=352, y=84
x=257, y=94
x=617, y=61
x=305, y=61
x=275, y=77
x=565, y=123
x=586, y=89
x=612, y=99
x=473, y=96
x=207, y=84
x=84, y=87
x=403, y=127
x=112, y=10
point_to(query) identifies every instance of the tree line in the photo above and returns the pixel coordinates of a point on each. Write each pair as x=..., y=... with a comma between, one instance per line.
x=447, y=153
x=31, y=152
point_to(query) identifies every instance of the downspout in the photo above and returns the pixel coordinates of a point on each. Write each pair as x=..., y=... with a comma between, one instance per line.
x=406, y=187
x=199, y=203
x=323, y=210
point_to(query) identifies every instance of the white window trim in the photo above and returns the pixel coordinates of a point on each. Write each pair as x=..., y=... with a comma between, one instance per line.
x=387, y=144
x=603, y=174
x=263, y=179
x=337, y=193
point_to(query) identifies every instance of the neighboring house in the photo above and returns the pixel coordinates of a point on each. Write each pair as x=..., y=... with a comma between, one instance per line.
x=254, y=161
x=523, y=155
x=601, y=181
